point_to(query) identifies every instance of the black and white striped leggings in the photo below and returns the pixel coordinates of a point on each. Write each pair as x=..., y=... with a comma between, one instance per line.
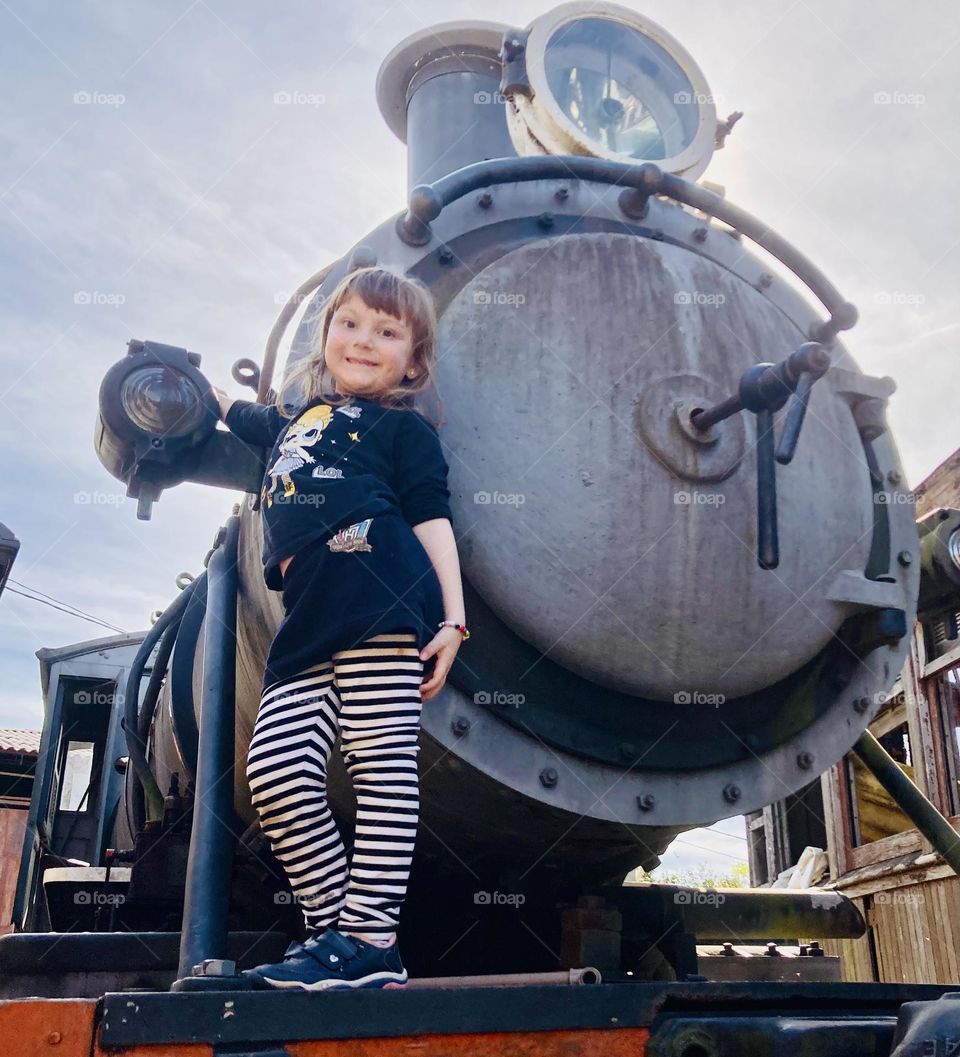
x=370, y=695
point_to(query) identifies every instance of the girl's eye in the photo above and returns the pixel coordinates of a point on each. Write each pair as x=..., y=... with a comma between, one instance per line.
x=388, y=333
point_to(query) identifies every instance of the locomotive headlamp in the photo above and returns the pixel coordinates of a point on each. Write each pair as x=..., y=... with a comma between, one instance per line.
x=953, y=547
x=156, y=412
x=601, y=80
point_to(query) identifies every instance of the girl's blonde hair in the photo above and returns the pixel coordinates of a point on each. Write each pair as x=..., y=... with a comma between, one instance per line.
x=384, y=290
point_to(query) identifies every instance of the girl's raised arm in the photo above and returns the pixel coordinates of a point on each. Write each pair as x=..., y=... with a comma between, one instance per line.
x=255, y=423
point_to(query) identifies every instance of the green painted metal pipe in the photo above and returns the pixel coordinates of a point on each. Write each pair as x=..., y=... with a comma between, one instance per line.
x=917, y=808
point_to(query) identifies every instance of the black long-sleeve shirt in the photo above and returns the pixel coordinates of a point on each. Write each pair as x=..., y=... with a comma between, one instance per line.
x=332, y=467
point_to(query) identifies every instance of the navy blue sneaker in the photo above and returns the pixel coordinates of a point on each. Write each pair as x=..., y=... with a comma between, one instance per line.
x=332, y=962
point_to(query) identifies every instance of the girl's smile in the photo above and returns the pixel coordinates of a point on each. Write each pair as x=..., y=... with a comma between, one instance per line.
x=367, y=351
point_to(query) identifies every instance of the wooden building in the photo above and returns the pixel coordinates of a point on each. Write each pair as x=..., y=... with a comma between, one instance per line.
x=18, y=764
x=909, y=896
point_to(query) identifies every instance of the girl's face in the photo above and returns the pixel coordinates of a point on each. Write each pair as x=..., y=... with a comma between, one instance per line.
x=367, y=351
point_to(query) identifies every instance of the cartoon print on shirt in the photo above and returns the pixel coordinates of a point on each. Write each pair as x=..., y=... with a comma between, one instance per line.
x=352, y=538
x=292, y=453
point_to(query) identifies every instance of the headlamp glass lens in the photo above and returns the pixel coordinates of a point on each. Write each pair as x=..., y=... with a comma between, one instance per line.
x=161, y=400
x=621, y=89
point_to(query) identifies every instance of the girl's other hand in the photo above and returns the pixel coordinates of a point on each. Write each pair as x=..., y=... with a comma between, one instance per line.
x=444, y=646
x=224, y=401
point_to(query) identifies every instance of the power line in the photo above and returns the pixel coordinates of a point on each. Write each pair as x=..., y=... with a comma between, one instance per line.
x=712, y=851
x=63, y=609
x=58, y=601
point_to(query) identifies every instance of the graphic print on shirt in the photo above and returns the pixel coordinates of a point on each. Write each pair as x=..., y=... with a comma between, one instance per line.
x=352, y=538
x=293, y=453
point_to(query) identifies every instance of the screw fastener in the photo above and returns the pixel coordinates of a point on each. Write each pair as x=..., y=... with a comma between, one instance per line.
x=731, y=793
x=548, y=777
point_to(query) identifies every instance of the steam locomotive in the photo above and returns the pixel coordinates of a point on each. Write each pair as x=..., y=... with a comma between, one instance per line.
x=688, y=572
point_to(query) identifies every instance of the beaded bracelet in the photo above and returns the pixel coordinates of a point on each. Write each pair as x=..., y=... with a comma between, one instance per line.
x=462, y=628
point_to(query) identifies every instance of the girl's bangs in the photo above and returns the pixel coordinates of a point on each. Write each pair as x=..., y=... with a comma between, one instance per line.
x=383, y=292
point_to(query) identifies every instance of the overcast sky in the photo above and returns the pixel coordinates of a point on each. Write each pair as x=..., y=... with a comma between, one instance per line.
x=152, y=188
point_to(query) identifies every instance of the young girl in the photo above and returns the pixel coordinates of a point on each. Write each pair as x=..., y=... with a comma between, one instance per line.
x=358, y=536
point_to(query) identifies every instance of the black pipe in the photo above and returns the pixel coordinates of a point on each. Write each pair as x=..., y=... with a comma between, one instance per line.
x=158, y=673
x=136, y=746
x=184, y=720
x=640, y=182
x=739, y=913
x=207, y=891
x=145, y=718
x=910, y=800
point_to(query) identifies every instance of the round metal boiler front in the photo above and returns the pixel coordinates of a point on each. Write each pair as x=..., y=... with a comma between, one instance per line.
x=595, y=523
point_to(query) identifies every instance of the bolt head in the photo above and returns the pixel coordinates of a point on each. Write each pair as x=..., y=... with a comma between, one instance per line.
x=805, y=760
x=731, y=793
x=646, y=802
x=548, y=777
x=905, y=558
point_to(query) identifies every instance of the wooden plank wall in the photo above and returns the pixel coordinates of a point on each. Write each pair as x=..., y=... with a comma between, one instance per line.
x=12, y=823
x=915, y=936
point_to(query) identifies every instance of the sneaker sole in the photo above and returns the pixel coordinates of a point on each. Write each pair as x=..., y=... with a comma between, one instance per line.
x=381, y=980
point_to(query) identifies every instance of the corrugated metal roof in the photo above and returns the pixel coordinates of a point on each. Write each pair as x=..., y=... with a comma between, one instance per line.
x=23, y=741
